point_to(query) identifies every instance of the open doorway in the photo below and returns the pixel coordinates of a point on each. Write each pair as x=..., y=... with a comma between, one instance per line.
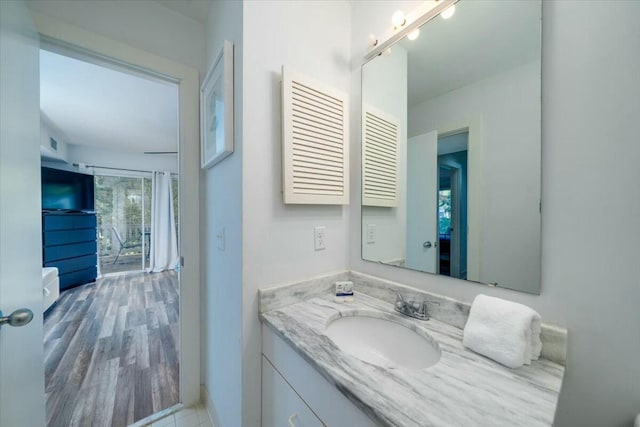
x=112, y=332
x=453, y=204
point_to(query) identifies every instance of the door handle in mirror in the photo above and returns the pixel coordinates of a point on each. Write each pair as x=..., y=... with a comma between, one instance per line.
x=19, y=317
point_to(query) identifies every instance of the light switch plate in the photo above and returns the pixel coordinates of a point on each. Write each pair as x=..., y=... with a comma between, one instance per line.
x=220, y=239
x=371, y=233
x=319, y=242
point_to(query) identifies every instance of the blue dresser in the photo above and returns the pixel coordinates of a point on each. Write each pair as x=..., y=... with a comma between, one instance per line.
x=69, y=242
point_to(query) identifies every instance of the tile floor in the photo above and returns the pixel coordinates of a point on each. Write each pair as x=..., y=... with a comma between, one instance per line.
x=195, y=416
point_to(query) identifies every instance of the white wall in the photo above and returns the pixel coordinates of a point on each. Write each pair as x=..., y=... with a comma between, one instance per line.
x=385, y=89
x=311, y=37
x=221, y=206
x=590, y=229
x=49, y=130
x=143, y=24
x=510, y=244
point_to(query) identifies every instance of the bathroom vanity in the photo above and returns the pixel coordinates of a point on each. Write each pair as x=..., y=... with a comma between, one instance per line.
x=446, y=116
x=308, y=380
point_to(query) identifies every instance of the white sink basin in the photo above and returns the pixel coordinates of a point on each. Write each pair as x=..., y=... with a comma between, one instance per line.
x=383, y=342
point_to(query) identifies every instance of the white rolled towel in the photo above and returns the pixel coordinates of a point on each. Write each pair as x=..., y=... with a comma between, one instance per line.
x=504, y=331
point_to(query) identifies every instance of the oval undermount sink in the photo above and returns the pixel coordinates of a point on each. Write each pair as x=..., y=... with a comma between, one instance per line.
x=383, y=342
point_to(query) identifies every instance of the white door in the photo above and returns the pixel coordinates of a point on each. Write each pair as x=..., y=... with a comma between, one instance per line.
x=422, y=202
x=21, y=348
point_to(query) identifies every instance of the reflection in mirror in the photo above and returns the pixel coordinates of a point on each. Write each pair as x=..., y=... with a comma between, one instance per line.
x=451, y=147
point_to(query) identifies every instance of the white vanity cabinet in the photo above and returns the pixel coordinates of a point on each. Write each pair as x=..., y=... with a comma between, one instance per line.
x=281, y=405
x=295, y=394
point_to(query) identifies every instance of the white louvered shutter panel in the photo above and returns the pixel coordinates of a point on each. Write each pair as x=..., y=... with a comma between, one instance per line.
x=380, y=137
x=315, y=142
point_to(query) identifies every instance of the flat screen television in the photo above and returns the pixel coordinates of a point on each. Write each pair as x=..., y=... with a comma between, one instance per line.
x=66, y=191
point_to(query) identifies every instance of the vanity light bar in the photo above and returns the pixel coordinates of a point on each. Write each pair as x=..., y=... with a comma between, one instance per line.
x=413, y=21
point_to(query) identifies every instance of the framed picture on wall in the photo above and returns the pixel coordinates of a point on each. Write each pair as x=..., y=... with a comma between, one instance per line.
x=216, y=109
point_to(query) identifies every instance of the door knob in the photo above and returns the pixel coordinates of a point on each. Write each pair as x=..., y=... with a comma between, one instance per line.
x=292, y=419
x=19, y=317
x=427, y=244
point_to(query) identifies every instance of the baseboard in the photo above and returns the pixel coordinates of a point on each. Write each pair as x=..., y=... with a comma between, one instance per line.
x=208, y=405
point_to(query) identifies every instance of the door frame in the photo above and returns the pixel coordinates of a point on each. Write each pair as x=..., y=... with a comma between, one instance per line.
x=456, y=175
x=454, y=248
x=475, y=188
x=70, y=40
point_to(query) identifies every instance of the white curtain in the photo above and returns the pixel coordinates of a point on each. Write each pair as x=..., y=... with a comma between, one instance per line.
x=164, y=241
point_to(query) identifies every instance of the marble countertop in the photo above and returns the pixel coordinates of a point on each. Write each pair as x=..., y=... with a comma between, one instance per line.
x=462, y=389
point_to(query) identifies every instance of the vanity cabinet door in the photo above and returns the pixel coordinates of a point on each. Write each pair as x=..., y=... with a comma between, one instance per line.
x=281, y=405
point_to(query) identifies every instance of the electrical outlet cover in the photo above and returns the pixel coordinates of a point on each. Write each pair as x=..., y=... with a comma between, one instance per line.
x=371, y=233
x=220, y=239
x=319, y=242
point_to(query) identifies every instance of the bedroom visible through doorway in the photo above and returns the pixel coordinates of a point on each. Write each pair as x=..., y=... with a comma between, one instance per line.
x=111, y=339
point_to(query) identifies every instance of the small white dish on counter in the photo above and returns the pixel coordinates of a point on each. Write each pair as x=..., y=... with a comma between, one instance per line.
x=383, y=342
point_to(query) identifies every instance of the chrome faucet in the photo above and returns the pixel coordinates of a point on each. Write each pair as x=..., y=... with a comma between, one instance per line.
x=411, y=308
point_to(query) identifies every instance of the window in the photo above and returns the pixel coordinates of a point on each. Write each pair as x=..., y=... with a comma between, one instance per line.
x=444, y=213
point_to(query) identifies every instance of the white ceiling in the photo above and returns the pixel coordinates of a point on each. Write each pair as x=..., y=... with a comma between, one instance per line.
x=453, y=143
x=101, y=107
x=481, y=39
x=194, y=9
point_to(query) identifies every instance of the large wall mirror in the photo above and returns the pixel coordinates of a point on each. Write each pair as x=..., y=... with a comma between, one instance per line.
x=451, y=153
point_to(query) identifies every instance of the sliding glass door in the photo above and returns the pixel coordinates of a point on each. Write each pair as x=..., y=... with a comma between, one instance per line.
x=146, y=220
x=123, y=210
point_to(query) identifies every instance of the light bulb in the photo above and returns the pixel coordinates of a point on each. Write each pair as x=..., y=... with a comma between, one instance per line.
x=414, y=34
x=387, y=52
x=448, y=12
x=397, y=19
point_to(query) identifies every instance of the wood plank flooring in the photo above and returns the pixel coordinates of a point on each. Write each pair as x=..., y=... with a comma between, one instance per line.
x=111, y=351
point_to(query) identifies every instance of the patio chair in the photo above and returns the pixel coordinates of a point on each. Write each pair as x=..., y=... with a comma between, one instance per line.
x=126, y=244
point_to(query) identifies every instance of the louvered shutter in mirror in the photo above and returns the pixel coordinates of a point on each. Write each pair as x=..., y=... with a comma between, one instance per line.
x=380, y=134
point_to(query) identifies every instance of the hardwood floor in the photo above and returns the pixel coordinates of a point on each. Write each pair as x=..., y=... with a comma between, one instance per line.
x=111, y=351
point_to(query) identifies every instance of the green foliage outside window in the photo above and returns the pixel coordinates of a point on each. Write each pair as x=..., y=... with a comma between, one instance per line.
x=444, y=212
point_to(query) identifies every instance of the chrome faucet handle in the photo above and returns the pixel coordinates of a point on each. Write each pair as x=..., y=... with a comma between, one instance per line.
x=415, y=308
x=421, y=309
x=400, y=302
x=411, y=308
x=424, y=305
